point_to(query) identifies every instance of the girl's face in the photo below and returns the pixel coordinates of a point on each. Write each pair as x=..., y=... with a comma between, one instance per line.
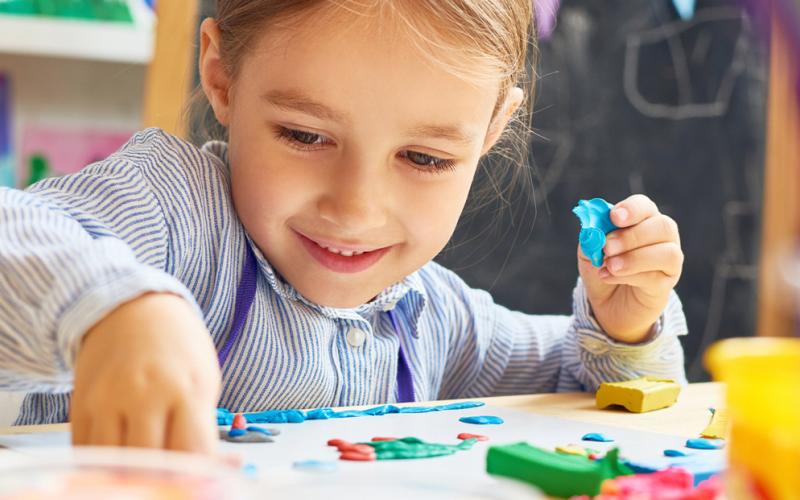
x=351, y=153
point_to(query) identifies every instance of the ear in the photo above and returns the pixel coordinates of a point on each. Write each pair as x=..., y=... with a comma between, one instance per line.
x=213, y=77
x=514, y=99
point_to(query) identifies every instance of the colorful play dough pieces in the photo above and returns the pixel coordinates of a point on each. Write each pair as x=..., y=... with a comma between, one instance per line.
x=291, y=416
x=353, y=451
x=403, y=448
x=482, y=420
x=554, y=473
x=705, y=444
x=638, y=395
x=595, y=225
x=467, y=435
x=240, y=432
x=673, y=483
x=596, y=436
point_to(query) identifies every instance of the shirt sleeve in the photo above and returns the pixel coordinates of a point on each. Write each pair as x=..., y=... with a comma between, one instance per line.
x=72, y=249
x=495, y=351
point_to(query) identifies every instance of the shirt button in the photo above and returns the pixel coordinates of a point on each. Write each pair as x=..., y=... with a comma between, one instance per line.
x=356, y=337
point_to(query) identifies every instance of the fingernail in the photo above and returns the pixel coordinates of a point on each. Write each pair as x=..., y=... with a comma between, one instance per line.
x=615, y=265
x=612, y=246
x=604, y=273
x=621, y=214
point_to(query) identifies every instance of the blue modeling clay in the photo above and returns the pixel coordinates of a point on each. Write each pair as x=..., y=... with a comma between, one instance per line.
x=705, y=444
x=595, y=225
x=596, y=436
x=701, y=466
x=236, y=433
x=253, y=428
x=316, y=465
x=482, y=420
x=225, y=417
x=676, y=453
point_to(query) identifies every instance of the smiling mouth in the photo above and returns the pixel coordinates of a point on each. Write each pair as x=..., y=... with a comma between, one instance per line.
x=344, y=260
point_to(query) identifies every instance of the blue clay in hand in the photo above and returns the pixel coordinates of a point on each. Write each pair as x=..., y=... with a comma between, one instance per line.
x=595, y=225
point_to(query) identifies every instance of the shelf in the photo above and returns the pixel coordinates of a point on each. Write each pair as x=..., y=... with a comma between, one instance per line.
x=77, y=39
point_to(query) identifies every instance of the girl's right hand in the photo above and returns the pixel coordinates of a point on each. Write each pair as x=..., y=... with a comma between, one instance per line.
x=147, y=375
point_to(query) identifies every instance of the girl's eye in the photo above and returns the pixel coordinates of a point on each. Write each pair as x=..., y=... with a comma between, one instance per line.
x=300, y=138
x=427, y=162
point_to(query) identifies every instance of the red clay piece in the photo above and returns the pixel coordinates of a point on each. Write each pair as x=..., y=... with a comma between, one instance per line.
x=379, y=438
x=358, y=457
x=239, y=422
x=337, y=442
x=593, y=456
x=357, y=448
x=467, y=435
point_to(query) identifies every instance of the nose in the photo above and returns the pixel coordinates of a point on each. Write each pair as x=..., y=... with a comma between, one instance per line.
x=355, y=200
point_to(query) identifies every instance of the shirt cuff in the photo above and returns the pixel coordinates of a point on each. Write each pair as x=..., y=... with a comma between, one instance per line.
x=103, y=297
x=594, y=340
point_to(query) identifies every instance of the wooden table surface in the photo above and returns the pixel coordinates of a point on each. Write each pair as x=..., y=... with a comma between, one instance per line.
x=687, y=417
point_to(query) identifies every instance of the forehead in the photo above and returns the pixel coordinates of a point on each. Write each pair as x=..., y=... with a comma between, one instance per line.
x=372, y=54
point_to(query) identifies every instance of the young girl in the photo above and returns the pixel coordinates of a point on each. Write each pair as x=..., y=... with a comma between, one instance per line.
x=297, y=255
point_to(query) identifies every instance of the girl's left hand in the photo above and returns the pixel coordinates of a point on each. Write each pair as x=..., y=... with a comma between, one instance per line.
x=643, y=262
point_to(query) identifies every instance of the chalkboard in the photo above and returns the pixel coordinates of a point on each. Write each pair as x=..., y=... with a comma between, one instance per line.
x=633, y=100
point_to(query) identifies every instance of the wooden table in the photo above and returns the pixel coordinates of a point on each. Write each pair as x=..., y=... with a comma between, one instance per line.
x=687, y=417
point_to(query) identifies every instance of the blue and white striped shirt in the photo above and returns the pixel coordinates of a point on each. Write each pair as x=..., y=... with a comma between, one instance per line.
x=158, y=216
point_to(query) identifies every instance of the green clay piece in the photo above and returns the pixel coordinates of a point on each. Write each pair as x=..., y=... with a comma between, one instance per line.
x=554, y=473
x=411, y=447
x=638, y=395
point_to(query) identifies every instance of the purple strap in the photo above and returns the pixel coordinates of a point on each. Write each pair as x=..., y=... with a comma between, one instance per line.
x=244, y=299
x=405, y=379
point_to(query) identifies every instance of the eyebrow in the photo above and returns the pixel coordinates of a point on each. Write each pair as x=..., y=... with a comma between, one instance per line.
x=446, y=132
x=294, y=100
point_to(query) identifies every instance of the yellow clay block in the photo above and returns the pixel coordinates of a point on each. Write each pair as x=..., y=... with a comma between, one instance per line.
x=718, y=426
x=572, y=449
x=638, y=395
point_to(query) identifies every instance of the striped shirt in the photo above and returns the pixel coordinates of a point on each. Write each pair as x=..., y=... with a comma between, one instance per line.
x=157, y=216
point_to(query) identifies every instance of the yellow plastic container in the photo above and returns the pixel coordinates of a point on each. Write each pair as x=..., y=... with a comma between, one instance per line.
x=763, y=397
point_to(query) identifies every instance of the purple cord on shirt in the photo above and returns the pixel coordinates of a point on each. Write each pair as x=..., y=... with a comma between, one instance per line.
x=245, y=294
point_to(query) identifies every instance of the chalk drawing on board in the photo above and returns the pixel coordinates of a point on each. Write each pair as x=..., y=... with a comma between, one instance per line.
x=670, y=34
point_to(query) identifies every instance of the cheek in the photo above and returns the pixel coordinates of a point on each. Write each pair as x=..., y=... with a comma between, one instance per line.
x=435, y=211
x=264, y=197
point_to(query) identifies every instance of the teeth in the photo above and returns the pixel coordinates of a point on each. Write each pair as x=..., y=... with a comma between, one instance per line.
x=344, y=253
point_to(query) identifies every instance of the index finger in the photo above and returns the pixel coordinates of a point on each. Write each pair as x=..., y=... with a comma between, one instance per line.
x=633, y=210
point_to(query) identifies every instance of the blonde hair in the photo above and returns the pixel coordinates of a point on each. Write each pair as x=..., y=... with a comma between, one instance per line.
x=465, y=37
